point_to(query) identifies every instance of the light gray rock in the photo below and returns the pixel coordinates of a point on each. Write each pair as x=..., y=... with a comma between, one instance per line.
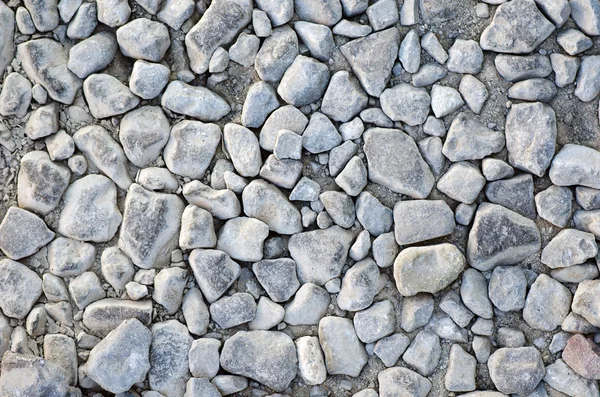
x=586, y=14
x=468, y=139
x=116, y=268
x=304, y=82
x=587, y=221
x=243, y=238
x=411, y=225
x=461, y=370
x=569, y=247
x=516, y=68
x=169, y=363
x=383, y=14
x=554, y=205
x=286, y=117
x=234, y=310
x=392, y=380
x=372, y=58
x=409, y=53
x=228, y=17
x=215, y=272
x=92, y=54
x=23, y=233
x=204, y=357
x=376, y=322
x=474, y=293
x=28, y=375
x=197, y=229
x=474, y=92
x=311, y=363
x=261, y=23
x=445, y=100
x=168, y=288
x=352, y=30
x=106, y=96
x=500, y=237
x=90, y=211
x=20, y=289
x=516, y=370
x=195, y=313
x=23, y=19
x=266, y=356
x=113, y=12
x=518, y=27
x=344, y=353
x=588, y=84
x=382, y=148
x=432, y=46
x=67, y=257
x=243, y=148
x=507, y=288
x=561, y=377
x=424, y=352
x=575, y=273
x=547, y=304
x=43, y=13
x=151, y=223
x=107, y=314
x=194, y=101
x=288, y=145
x=222, y=204
x=267, y=203
x=268, y=315
x=340, y=207
x=406, y=103
x=260, y=101
x=462, y=182
x=374, y=216
x=416, y=311
x=15, y=96
x=276, y=54
x=565, y=69
x=584, y=302
x=308, y=306
x=278, y=278
x=7, y=29
x=143, y=133
x=340, y=155
x=157, y=178
x=343, y=88
x=202, y=387
x=175, y=13
x=533, y=90
x=390, y=348
x=495, y=169
x=244, y=50
x=320, y=254
x=318, y=39
x=465, y=56
x=353, y=177
x=60, y=146
x=359, y=286
x=324, y=12
x=84, y=22
x=573, y=41
x=122, y=358
x=148, y=79
x=427, y=269
x=567, y=166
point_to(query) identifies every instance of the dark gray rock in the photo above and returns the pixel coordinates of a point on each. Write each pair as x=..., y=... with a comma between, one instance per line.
x=278, y=278
x=515, y=193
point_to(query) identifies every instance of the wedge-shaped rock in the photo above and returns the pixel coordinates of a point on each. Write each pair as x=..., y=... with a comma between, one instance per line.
x=219, y=25
x=561, y=377
x=22, y=233
x=344, y=353
x=394, y=161
x=169, y=363
x=90, y=211
x=427, y=269
x=515, y=193
x=518, y=27
x=41, y=182
x=531, y=137
x=197, y=102
x=191, y=147
x=469, y=139
x=107, y=96
x=372, y=59
x=320, y=254
x=104, y=152
x=267, y=203
x=304, y=82
x=413, y=224
x=500, y=237
x=27, y=375
x=569, y=247
x=214, y=270
x=45, y=62
x=269, y=357
x=92, y=54
x=20, y=288
x=143, y=133
x=150, y=229
x=222, y=204
x=107, y=314
x=122, y=358
x=576, y=165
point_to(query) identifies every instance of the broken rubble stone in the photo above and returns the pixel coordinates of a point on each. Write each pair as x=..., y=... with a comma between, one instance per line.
x=23, y=233
x=20, y=288
x=215, y=272
x=344, y=353
x=547, y=304
x=28, y=375
x=107, y=314
x=195, y=101
x=516, y=370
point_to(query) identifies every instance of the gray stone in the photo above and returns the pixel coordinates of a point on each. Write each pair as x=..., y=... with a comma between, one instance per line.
x=311, y=363
x=27, y=375
x=23, y=233
x=24, y=21
x=510, y=337
x=416, y=311
x=266, y=356
x=344, y=98
x=554, y=205
x=228, y=17
x=567, y=166
x=428, y=74
x=267, y=203
x=42, y=122
x=432, y=46
x=15, y=96
x=113, y=12
x=7, y=29
x=507, y=288
x=260, y=101
x=376, y=322
x=464, y=213
x=409, y=53
x=374, y=216
x=377, y=117
x=588, y=84
x=305, y=190
x=465, y=56
x=569, y=247
x=344, y=353
x=244, y=50
x=352, y=30
x=518, y=27
x=195, y=313
x=194, y=101
x=386, y=167
x=106, y=96
x=215, y=272
x=197, y=229
x=279, y=12
x=383, y=14
x=587, y=198
x=268, y=315
x=474, y=293
x=515, y=193
x=359, y=286
x=390, y=348
x=565, y=69
x=288, y=145
x=424, y=353
x=406, y=103
x=495, y=169
x=151, y=224
x=557, y=11
x=278, y=278
x=445, y=100
x=353, y=177
x=340, y=155
x=92, y=54
x=234, y=310
x=243, y=238
x=201, y=388
x=60, y=350
x=168, y=288
x=586, y=14
x=540, y=90
x=230, y=384
x=277, y=54
x=107, y=314
x=585, y=302
x=242, y=146
x=20, y=288
x=399, y=379
x=148, y=79
x=317, y=38
x=324, y=12
x=340, y=207
x=175, y=13
x=54, y=288
x=261, y=23
x=516, y=370
x=452, y=305
x=169, y=363
x=122, y=358
x=474, y=92
x=411, y=225
x=548, y=303
x=372, y=58
x=86, y=289
x=157, y=178
x=191, y=147
x=143, y=133
x=576, y=273
x=431, y=150
x=84, y=22
x=43, y=13
x=60, y=146
x=427, y=269
x=515, y=68
x=573, y=41
x=286, y=117
x=116, y=268
x=308, y=306
x=304, y=82
x=204, y=357
x=462, y=182
x=461, y=370
x=90, y=211
x=561, y=377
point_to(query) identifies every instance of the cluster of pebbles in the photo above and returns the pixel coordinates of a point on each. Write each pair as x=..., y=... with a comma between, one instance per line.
x=299, y=198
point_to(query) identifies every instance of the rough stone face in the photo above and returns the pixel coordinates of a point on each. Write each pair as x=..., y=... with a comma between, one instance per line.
x=344, y=353
x=500, y=237
x=583, y=356
x=222, y=204
x=468, y=139
x=507, y=288
x=45, y=62
x=278, y=278
x=392, y=380
x=372, y=58
x=143, y=133
x=107, y=96
x=394, y=161
x=169, y=363
x=195, y=101
x=585, y=302
x=197, y=229
x=243, y=238
x=304, y=82
x=311, y=363
x=411, y=220
x=215, y=271
x=320, y=254
x=268, y=357
x=151, y=223
x=576, y=165
x=219, y=25
x=92, y=54
x=359, y=286
x=531, y=137
x=23, y=233
x=324, y=12
x=90, y=211
x=515, y=68
x=547, y=304
x=27, y=375
x=427, y=269
x=516, y=370
x=518, y=27
x=344, y=98
x=107, y=314
x=143, y=39
x=20, y=288
x=586, y=14
x=276, y=54
x=406, y=103
x=41, y=182
x=122, y=358
x=562, y=378
x=243, y=148
x=67, y=257
x=515, y=193
x=234, y=310
x=569, y=247
x=424, y=352
x=7, y=29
